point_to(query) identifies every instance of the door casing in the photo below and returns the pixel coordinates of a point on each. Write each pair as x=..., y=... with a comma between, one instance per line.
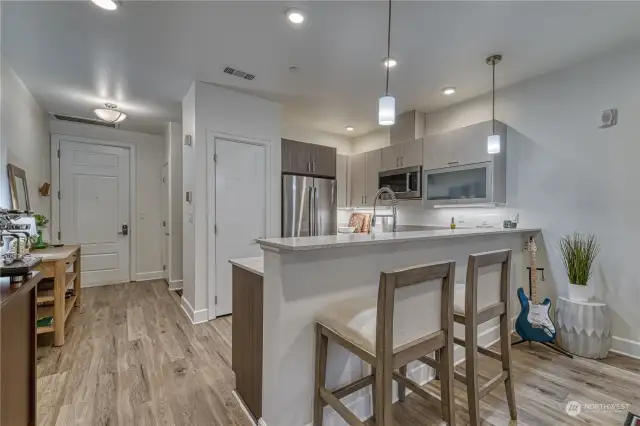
x=133, y=205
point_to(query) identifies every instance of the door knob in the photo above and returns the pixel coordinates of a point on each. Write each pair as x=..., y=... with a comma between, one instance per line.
x=125, y=230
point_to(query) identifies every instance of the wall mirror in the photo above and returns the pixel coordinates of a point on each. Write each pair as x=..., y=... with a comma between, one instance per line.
x=18, y=187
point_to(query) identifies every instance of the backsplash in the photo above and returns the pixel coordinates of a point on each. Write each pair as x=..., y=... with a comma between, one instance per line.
x=464, y=217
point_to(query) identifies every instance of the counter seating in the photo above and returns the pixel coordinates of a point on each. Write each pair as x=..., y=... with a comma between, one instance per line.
x=406, y=323
x=475, y=304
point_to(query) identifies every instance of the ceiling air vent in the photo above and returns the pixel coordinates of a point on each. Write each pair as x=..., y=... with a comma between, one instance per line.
x=81, y=120
x=237, y=73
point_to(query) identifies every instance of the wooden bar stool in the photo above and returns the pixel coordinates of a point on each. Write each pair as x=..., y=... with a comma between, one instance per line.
x=466, y=312
x=423, y=323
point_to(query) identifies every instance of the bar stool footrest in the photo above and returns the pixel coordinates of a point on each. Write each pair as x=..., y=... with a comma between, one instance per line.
x=415, y=387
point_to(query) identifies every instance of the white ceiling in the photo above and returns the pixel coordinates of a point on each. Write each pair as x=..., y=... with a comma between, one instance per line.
x=74, y=56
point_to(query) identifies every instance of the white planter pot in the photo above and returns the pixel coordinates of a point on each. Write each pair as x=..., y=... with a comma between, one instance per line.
x=581, y=293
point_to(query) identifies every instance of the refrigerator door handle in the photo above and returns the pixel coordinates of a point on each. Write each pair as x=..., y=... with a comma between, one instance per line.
x=311, y=211
x=315, y=211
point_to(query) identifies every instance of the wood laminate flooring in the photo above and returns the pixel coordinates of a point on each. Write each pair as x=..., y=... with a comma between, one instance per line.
x=133, y=358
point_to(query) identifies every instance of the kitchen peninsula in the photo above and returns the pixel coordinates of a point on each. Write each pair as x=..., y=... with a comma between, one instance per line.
x=303, y=275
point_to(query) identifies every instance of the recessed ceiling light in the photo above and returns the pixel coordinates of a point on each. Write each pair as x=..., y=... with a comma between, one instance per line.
x=106, y=4
x=350, y=128
x=295, y=15
x=110, y=114
x=449, y=90
x=389, y=62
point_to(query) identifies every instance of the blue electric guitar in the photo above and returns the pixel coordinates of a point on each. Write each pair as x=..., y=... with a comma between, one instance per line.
x=534, y=323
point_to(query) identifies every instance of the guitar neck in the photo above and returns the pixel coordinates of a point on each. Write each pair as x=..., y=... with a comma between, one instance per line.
x=534, y=278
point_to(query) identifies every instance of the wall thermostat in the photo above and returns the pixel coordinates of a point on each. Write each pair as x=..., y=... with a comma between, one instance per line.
x=187, y=140
x=608, y=118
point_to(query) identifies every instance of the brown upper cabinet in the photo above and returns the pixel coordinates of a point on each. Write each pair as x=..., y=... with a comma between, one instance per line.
x=308, y=159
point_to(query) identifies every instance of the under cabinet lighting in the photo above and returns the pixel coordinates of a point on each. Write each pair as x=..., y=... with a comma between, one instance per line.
x=447, y=206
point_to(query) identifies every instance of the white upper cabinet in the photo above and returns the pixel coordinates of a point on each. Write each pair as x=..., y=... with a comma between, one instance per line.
x=411, y=154
x=342, y=180
x=357, y=179
x=391, y=157
x=467, y=145
x=406, y=154
x=373, y=161
x=437, y=152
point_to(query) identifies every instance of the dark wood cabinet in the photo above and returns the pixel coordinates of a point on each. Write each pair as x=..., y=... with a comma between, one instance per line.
x=308, y=159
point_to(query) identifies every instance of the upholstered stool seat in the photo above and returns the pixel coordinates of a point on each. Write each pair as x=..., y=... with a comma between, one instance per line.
x=459, y=294
x=353, y=320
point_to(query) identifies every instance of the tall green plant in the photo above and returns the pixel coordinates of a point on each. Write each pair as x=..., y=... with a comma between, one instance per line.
x=578, y=253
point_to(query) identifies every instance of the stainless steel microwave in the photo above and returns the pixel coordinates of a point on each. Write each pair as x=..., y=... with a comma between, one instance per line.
x=406, y=182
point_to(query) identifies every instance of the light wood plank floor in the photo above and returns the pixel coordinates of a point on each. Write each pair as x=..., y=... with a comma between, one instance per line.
x=132, y=358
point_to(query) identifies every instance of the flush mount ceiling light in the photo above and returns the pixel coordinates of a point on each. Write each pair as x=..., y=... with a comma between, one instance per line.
x=493, y=141
x=350, y=128
x=387, y=103
x=449, y=91
x=106, y=4
x=110, y=114
x=295, y=16
x=389, y=62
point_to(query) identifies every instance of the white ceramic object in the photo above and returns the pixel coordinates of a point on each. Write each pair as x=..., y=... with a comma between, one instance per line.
x=346, y=229
x=581, y=293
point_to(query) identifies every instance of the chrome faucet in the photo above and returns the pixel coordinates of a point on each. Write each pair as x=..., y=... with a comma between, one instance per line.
x=394, y=203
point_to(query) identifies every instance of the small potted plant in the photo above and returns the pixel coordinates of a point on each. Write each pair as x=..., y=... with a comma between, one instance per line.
x=41, y=225
x=578, y=253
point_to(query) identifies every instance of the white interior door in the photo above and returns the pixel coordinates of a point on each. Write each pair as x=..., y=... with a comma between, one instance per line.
x=165, y=221
x=94, y=207
x=240, y=210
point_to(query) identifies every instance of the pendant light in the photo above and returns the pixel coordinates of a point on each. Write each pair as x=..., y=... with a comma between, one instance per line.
x=110, y=114
x=387, y=103
x=493, y=141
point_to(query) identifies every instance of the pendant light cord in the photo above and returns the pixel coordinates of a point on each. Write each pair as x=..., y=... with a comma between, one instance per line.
x=388, y=49
x=493, y=102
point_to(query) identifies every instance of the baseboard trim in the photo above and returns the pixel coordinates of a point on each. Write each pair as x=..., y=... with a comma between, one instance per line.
x=148, y=276
x=244, y=408
x=261, y=422
x=89, y=285
x=196, y=317
x=175, y=284
x=627, y=347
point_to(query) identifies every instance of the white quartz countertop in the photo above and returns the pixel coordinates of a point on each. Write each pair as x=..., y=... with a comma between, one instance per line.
x=251, y=264
x=352, y=240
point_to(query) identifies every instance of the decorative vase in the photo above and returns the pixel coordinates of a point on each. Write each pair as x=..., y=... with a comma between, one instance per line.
x=581, y=293
x=40, y=244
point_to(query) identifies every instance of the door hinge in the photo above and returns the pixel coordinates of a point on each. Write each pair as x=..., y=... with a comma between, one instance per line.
x=164, y=223
x=215, y=300
x=58, y=153
x=164, y=267
x=215, y=229
x=58, y=195
x=59, y=235
x=215, y=158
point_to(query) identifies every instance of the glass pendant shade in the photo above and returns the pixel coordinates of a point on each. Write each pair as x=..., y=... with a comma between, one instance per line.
x=110, y=115
x=387, y=110
x=493, y=144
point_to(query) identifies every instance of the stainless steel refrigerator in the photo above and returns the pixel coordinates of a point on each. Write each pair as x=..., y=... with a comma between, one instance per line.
x=309, y=206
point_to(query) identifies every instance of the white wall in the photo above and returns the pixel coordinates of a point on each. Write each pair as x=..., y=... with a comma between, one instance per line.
x=343, y=144
x=25, y=140
x=565, y=174
x=372, y=140
x=207, y=107
x=149, y=163
x=173, y=156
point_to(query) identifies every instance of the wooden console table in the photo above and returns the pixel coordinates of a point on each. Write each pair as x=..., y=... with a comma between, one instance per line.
x=55, y=262
x=18, y=357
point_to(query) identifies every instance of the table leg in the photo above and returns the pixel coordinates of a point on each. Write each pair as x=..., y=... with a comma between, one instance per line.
x=77, y=285
x=58, y=302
